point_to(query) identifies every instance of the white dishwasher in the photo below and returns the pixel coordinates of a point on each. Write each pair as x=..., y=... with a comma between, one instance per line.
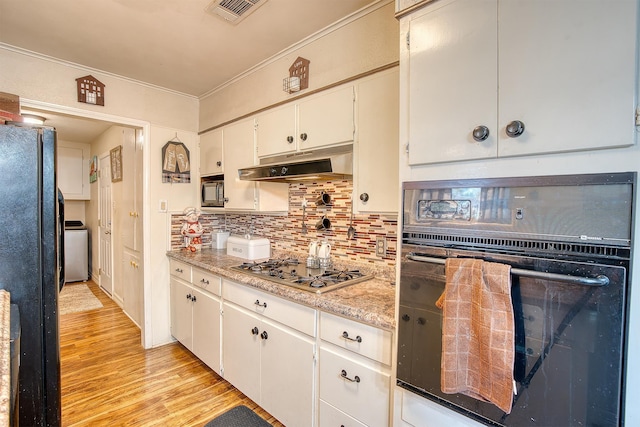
x=76, y=251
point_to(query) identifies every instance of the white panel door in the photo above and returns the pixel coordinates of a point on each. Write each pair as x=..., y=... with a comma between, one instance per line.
x=276, y=132
x=105, y=256
x=181, y=312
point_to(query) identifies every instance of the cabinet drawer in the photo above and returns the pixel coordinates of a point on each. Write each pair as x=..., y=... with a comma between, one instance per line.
x=362, y=339
x=180, y=269
x=358, y=389
x=207, y=281
x=296, y=316
x=332, y=417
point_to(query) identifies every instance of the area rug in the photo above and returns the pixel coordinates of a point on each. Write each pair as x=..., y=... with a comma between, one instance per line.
x=77, y=298
x=240, y=416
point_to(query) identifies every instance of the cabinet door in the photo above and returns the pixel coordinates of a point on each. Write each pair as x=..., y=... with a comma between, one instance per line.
x=181, y=312
x=567, y=71
x=211, y=153
x=131, y=190
x=365, y=398
x=206, y=328
x=241, y=350
x=453, y=81
x=133, y=285
x=326, y=119
x=238, y=153
x=287, y=375
x=276, y=133
x=376, y=151
x=73, y=170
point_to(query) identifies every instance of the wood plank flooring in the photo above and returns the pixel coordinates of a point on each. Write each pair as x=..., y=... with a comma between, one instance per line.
x=108, y=379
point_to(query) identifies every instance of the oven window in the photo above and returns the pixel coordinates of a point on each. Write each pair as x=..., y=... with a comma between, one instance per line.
x=569, y=346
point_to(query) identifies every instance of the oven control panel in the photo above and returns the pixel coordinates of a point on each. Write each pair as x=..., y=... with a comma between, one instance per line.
x=459, y=210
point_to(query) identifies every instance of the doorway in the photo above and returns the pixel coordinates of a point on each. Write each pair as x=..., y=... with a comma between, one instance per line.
x=73, y=124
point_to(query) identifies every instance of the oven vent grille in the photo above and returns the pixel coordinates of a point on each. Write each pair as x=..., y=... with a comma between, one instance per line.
x=516, y=245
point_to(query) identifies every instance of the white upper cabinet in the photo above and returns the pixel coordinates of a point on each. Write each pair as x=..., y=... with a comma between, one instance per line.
x=509, y=78
x=73, y=170
x=375, y=179
x=322, y=120
x=238, y=152
x=277, y=131
x=326, y=119
x=211, y=153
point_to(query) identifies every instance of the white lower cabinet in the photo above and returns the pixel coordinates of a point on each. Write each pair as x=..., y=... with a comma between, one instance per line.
x=332, y=417
x=195, y=312
x=271, y=362
x=355, y=373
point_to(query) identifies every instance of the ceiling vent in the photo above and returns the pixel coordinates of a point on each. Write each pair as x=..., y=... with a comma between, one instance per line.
x=234, y=11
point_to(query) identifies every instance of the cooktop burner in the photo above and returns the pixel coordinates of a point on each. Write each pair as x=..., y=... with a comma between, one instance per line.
x=293, y=272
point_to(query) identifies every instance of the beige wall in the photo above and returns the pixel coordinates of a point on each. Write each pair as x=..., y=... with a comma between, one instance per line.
x=366, y=43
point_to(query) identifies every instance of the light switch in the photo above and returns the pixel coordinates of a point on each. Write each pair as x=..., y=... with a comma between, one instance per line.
x=162, y=206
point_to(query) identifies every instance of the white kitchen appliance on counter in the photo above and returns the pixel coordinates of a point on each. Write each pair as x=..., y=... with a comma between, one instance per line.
x=248, y=247
x=219, y=239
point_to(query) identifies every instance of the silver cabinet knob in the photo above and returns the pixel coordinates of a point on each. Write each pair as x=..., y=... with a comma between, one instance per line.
x=303, y=136
x=218, y=163
x=364, y=197
x=515, y=129
x=290, y=139
x=480, y=133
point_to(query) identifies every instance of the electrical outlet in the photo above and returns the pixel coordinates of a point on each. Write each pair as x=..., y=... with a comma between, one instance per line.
x=381, y=246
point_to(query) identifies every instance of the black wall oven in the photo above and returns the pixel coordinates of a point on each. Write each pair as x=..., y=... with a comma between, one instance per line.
x=568, y=242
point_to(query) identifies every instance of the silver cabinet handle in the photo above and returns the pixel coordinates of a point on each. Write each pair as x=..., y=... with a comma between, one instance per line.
x=344, y=376
x=515, y=129
x=480, y=133
x=264, y=304
x=179, y=270
x=206, y=282
x=346, y=336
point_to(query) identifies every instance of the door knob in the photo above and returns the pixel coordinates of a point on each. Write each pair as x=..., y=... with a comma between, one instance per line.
x=480, y=133
x=515, y=129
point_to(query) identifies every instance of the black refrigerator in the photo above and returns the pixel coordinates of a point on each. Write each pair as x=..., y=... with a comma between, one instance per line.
x=31, y=214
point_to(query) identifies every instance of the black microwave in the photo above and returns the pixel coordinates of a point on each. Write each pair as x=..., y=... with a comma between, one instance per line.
x=212, y=193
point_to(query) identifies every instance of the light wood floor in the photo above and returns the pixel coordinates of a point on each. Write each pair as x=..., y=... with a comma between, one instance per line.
x=108, y=379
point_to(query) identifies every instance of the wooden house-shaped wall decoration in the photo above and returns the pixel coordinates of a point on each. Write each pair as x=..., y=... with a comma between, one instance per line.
x=300, y=69
x=90, y=90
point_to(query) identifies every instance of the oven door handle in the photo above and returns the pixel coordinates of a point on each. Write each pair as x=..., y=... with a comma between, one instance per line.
x=599, y=280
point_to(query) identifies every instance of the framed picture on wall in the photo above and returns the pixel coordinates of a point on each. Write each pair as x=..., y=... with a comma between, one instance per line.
x=93, y=169
x=116, y=164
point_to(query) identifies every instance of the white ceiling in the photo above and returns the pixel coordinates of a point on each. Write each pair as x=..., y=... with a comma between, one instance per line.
x=174, y=44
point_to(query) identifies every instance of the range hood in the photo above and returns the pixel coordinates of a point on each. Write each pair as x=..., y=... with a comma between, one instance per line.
x=315, y=166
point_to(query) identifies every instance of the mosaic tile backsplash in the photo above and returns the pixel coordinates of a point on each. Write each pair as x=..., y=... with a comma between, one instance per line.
x=285, y=231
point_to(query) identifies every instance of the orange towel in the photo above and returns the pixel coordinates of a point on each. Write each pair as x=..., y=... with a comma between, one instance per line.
x=478, y=331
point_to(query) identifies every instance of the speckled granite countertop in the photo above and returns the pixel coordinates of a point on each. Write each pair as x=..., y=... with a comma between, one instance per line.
x=5, y=358
x=371, y=301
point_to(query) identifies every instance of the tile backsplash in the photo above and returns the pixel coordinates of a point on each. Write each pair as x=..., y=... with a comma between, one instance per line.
x=285, y=231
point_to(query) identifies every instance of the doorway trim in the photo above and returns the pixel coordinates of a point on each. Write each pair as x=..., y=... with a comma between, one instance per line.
x=146, y=326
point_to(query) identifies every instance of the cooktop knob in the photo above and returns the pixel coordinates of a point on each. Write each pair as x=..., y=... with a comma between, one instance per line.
x=273, y=172
x=284, y=170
